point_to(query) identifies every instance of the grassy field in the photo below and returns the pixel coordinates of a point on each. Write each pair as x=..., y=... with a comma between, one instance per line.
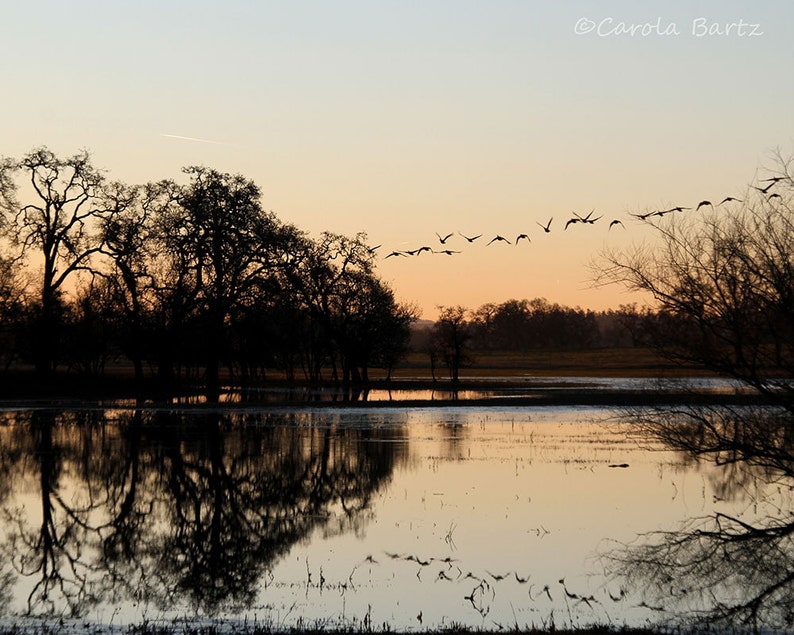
x=605, y=362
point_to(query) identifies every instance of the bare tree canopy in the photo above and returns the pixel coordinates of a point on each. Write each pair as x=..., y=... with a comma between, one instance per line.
x=725, y=277
x=56, y=223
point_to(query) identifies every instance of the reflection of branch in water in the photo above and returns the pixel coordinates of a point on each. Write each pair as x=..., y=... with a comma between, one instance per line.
x=722, y=568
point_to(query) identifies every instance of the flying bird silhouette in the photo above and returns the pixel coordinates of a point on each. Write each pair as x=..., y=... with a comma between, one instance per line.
x=764, y=190
x=728, y=199
x=499, y=238
x=616, y=222
x=571, y=221
x=664, y=212
x=372, y=250
x=443, y=240
x=520, y=236
x=703, y=204
x=395, y=253
x=472, y=238
x=447, y=252
x=547, y=226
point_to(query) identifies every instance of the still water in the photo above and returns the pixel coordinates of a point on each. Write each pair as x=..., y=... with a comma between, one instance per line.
x=400, y=518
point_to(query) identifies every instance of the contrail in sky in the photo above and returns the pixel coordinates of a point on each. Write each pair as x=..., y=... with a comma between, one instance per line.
x=176, y=136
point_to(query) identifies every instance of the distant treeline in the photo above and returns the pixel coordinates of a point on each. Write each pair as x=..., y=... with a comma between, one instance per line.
x=523, y=325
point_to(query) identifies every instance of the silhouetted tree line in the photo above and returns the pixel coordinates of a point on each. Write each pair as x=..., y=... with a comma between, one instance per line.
x=523, y=325
x=182, y=280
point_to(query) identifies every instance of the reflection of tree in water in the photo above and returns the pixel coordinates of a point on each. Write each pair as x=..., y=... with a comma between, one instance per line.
x=51, y=545
x=165, y=506
x=454, y=439
x=240, y=495
x=730, y=569
x=7, y=577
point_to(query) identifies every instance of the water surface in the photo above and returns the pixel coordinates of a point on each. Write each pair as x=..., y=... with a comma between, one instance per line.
x=411, y=518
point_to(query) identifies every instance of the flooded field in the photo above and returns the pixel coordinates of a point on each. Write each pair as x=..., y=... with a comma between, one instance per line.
x=389, y=518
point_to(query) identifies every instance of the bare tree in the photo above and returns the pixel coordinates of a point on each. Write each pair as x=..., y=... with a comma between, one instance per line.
x=56, y=225
x=726, y=278
x=126, y=240
x=223, y=243
x=321, y=273
x=452, y=334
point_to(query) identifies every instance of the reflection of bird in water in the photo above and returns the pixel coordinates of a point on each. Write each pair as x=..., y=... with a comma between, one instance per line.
x=547, y=226
x=443, y=240
x=471, y=239
x=728, y=199
x=703, y=204
x=573, y=596
x=395, y=253
x=522, y=236
x=616, y=222
x=499, y=238
x=619, y=597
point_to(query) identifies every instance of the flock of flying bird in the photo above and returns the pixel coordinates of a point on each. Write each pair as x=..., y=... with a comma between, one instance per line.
x=575, y=219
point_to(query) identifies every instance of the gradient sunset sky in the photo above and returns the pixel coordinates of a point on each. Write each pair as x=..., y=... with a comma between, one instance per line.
x=403, y=119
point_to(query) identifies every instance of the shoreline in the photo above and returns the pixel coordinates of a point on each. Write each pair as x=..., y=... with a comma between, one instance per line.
x=599, y=377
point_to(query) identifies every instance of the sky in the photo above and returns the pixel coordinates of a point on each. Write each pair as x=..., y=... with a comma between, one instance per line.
x=407, y=119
